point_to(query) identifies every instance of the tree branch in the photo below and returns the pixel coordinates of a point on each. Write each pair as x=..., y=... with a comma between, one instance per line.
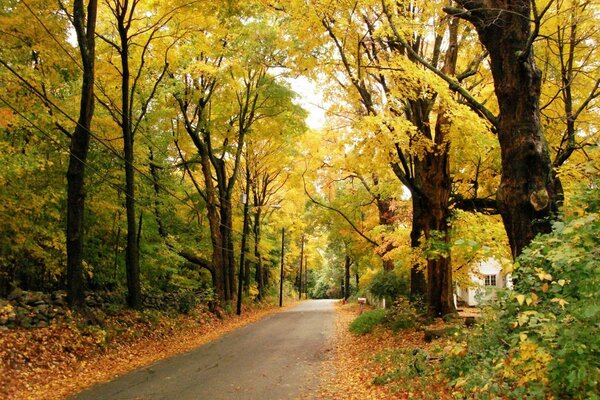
x=358, y=231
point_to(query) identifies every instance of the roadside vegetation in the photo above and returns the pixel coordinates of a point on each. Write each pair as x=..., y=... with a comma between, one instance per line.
x=172, y=161
x=535, y=341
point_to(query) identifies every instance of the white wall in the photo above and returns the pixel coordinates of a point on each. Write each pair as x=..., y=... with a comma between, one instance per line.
x=478, y=292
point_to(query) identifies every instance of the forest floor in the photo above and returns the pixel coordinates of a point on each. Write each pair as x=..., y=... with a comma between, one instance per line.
x=378, y=365
x=64, y=358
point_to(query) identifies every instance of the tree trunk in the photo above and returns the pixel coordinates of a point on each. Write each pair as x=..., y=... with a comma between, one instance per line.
x=431, y=218
x=156, y=185
x=418, y=283
x=80, y=140
x=347, y=264
x=529, y=194
x=227, y=249
x=247, y=264
x=132, y=255
x=244, y=247
x=386, y=218
x=259, y=267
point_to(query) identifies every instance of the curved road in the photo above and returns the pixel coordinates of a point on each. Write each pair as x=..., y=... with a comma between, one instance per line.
x=275, y=358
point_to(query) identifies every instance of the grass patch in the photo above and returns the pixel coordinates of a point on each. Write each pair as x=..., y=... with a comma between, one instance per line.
x=367, y=322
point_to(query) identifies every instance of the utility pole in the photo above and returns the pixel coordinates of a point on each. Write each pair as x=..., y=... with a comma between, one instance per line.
x=281, y=273
x=306, y=277
x=300, y=275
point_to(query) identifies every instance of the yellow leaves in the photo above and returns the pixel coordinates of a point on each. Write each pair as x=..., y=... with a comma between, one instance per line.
x=523, y=336
x=543, y=275
x=528, y=362
x=561, y=302
x=6, y=117
x=201, y=69
x=530, y=299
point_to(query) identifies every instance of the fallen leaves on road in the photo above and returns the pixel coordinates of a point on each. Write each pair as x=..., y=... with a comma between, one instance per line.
x=63, y=359
x=358, y=360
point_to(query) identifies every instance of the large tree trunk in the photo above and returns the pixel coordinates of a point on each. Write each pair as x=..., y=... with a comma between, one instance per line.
x=529, y=194
x=436, y=185
x=418, y=283
x=79, y=150
x=430, y=199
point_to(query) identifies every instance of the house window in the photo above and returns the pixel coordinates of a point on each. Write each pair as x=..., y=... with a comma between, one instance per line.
x=490, y=280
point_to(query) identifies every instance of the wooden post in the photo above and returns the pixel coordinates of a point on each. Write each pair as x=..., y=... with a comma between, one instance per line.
x=300, y=277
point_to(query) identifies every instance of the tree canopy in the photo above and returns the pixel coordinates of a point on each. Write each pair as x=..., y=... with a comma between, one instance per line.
x=453, y=134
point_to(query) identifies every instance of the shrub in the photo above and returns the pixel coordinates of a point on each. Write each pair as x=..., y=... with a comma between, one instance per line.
x=402, y=315
x=543, y=339
x=388, y=285
x=366, y=322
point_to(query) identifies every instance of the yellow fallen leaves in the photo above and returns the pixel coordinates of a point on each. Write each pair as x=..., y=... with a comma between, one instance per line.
x=349, y=374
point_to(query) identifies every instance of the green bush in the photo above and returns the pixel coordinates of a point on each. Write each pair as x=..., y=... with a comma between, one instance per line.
x=366, y=322
x=388, y=285
x=402, y=315
x=543, y=338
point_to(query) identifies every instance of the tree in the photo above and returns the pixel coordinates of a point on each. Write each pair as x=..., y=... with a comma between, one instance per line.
x=266, y=158
x=218, y=127
x=130, y=38
x=398, y=104
x=85, y=28
x=529, y=192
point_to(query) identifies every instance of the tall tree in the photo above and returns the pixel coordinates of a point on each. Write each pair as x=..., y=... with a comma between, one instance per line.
x=133, y=36
x=85, y=28
x=421, y=161
x=529, y=192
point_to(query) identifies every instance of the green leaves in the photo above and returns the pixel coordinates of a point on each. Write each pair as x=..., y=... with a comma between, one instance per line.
x=546, y=333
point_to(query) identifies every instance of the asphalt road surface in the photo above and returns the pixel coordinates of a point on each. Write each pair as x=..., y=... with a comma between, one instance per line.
x=278, y=357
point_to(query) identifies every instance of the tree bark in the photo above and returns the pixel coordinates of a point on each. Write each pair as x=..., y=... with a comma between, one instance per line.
x=132, y=254
x=347, y=264
x=85, y=30
x=259, y=266
x=529, y=193
x=244, y=247
x=386, y=218
x=157, y=203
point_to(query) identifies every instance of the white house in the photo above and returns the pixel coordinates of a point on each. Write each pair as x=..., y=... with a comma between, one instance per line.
x=488, y=277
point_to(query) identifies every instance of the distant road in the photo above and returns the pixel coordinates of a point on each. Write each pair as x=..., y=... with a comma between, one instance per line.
x=275, y=358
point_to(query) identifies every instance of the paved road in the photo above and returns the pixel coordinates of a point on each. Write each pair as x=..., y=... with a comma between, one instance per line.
x=275, y=358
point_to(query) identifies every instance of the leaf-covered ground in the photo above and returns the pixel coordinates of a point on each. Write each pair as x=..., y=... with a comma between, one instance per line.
x=62, y=359
x=360, y=361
